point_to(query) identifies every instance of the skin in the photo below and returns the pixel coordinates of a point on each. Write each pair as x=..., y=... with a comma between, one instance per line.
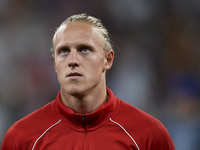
x=81, y=65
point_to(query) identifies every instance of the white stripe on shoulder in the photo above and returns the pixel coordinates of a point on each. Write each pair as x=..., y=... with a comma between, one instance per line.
x=44, y=133
x=125, y=132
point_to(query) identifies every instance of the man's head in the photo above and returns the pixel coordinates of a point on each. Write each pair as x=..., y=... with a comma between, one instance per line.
x=84, y=18
x=82, y=54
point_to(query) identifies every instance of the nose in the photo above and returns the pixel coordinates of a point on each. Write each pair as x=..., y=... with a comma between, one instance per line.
x=73, y=59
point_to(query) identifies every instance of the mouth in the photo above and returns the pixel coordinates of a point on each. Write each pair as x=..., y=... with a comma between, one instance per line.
x=74, y=75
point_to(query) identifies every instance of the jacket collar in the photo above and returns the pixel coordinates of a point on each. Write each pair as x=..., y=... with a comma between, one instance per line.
x=90, y=121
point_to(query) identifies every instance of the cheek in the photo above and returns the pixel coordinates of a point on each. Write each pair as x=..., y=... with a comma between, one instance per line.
x=96, y=64
x=59, y=68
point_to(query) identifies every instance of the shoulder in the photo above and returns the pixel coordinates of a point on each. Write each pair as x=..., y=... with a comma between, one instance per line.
x=134, y=114
x=145, y=128
x=44, y=114
x=131, y=115
x=29, y=127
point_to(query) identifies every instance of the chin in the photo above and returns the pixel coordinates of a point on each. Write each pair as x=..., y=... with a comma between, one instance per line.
x=75, y=92
x=78, y=90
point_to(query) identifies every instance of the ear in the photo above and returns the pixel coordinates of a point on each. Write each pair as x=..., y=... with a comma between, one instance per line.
x=54, y=62
x=109, y=57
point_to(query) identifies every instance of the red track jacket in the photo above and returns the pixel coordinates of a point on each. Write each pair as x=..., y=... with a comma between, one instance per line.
x=115, y=125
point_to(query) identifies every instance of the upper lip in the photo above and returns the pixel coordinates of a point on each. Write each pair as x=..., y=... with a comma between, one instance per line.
x=74, y=74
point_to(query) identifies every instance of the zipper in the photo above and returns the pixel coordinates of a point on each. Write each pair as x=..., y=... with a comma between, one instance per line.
x=85, y=132
x=83, y=117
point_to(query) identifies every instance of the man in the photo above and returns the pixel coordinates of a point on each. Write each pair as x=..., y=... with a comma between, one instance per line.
x=85, y=114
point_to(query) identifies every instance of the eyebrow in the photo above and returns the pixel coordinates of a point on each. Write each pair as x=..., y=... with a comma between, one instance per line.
x=79, y=45
x=85, y=45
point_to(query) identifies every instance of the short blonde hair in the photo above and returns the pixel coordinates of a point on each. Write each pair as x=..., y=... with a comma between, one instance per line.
x=84, y=18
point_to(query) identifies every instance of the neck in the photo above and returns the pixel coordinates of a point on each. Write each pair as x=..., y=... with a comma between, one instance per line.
x=87, y=103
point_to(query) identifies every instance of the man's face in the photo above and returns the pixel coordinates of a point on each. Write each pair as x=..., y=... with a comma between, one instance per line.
x=79, y=58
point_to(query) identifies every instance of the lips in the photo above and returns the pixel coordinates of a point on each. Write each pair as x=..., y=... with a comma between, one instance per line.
x=74, y=74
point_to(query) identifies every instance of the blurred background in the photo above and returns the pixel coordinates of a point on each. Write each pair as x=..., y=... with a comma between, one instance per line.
x=156, y=66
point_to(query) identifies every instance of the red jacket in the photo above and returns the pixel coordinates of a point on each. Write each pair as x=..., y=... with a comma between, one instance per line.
x=115, y=125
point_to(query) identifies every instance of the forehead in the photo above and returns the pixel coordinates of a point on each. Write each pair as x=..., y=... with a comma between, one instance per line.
x=76, y=32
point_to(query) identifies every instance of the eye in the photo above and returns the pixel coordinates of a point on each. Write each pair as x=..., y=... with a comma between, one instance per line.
x=85, y=49
x=64, y=51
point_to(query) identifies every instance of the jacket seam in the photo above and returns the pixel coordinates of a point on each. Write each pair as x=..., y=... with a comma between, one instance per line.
x=125, y=132
x=44, y=133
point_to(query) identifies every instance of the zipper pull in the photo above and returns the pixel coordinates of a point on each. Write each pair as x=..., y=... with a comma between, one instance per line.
x=83, y=116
